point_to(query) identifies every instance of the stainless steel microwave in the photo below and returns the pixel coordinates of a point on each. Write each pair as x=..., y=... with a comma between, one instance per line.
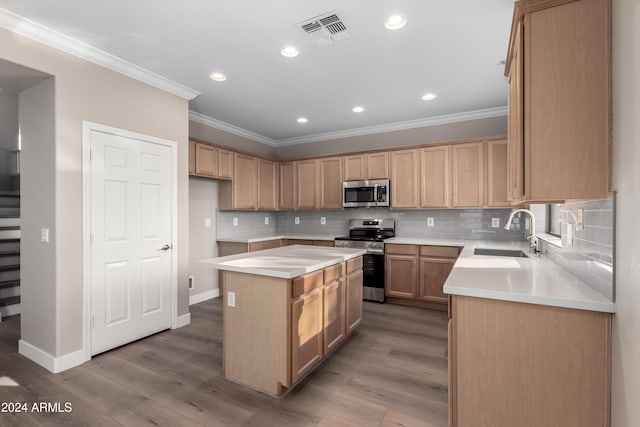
x=373, y=192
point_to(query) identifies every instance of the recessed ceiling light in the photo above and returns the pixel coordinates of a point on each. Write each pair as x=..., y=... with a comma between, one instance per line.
x=302, y=120
x=219, y=77
x=357, y=109
x=289, y=51
x=429, y=96
x=395, y=22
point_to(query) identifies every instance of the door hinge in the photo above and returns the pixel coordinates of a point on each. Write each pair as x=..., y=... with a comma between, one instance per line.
x=93, y=321
x=90, y=155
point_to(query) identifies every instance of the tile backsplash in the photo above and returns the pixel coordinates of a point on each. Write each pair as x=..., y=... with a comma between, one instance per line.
x=464, y=224
x=590, y=258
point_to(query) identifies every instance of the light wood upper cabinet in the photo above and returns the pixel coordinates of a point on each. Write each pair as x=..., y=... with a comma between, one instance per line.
x=225, y=164
x=435, y=177
x=497, y=174
x=245, y=180
x=377, y=165
x=515, y=140
x=354, y=167
x=405, y=179
x=330, y=183
x=206, y=159
x=468, y=175
x=566, y=100
x=306, y=182
x=192, y=157
x=287, y=186
x=267, y=185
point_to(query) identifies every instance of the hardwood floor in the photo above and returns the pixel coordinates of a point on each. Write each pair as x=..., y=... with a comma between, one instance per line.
x=392, y=372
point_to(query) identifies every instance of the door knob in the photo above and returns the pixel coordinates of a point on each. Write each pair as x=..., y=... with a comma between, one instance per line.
x=165, y=248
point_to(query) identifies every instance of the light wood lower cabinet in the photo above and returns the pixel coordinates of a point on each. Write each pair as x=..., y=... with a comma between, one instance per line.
x=527, y=365
x=266, y=244
x=417, y=273
x=280, y=329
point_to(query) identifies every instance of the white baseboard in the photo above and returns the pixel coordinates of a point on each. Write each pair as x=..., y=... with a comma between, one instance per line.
x=183, y=320
x=204, y=296
x=49, y=362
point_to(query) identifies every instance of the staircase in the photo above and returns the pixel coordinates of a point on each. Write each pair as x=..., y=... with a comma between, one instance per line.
x=9, y=253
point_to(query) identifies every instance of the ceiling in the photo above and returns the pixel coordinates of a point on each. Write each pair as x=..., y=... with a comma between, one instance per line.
x=450, y=48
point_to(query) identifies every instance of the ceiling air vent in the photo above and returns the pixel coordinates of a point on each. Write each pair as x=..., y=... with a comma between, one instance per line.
x=325, y=29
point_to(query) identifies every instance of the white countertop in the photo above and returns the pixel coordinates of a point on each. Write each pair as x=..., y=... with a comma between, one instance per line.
x=254, y=239
x=534, y=280
x=286, y=262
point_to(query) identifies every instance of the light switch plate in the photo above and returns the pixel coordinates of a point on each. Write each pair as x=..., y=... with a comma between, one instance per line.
x=296, y=220
x=430, y=222
x=495, y=222
x=266, y=220
x=235, y=222
x=323, y=220
x=207, y=222
x=231, y=299
x=44, y=235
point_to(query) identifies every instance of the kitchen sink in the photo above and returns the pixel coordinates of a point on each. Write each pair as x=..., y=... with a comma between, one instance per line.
x=500, y=252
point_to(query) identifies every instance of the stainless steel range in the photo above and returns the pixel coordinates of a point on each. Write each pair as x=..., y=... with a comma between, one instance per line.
x=370, y=234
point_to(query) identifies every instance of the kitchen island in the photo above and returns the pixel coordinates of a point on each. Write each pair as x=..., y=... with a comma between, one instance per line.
x=285, y=310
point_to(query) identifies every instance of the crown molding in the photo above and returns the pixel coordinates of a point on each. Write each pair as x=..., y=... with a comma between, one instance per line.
x=369, y=130
x=38, y=32
x=227, y=127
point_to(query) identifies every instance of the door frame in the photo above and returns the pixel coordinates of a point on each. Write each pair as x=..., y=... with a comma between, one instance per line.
x=87, y=128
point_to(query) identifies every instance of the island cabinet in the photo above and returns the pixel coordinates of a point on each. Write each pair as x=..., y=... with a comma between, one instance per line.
x=415, y=274
x=559, y=70
x=527, y=365
x=276, y=331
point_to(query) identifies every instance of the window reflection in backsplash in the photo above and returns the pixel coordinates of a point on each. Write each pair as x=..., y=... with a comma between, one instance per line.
x=590, y=258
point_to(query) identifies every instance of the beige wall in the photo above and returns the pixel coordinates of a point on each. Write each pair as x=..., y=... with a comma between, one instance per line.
x=8, y=121
x=38, y=260
x=85, y=91
x=203, y=203
x=626, y=165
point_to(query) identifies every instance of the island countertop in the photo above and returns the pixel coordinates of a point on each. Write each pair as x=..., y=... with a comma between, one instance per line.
x=286, y=262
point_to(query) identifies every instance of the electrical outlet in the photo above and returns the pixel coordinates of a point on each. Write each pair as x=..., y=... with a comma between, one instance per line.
x=323, y=220
x=430, y=222
x=207, y=222
x=235, y=222
x=266, y=220
x=231, y=299
x=296, y=220
x=495, y=222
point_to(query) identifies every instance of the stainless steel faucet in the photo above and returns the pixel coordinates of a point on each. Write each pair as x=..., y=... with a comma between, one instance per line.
x=533, y=240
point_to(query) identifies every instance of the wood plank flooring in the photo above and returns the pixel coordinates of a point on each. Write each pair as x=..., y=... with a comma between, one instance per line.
x=392, y=372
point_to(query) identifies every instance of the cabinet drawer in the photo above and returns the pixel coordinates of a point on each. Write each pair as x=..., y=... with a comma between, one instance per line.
x=354, y=264
x=401, y=249
x=308, y=282
x=334, y=272
x=440, y=251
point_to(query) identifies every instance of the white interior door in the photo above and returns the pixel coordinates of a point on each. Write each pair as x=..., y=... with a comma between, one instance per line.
x=130, y=222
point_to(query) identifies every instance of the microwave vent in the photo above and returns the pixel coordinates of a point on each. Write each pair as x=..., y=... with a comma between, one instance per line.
x=325, y=29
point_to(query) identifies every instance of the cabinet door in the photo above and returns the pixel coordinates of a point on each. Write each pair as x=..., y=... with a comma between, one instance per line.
x=433, y=272
x=330, y=183
x=287, y=187
x=267, y=185
x=225, y=164
x=377, y=165
x=435, y=188
x=468, y=175
x=245, y=178
x=206, y=160
x=268, y=244
x=354, y=167
x=334, y=327
x=401, y=276
x=353, y=290
x=405, y=171
x=306, y=183
x=497, y=174
x=515, y=147
x=192, y=157
x=306, y=333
